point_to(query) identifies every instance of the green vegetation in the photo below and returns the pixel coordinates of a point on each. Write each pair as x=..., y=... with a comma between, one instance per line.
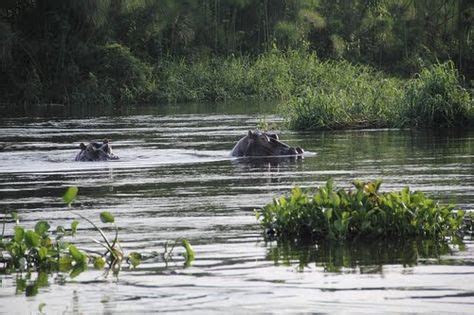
x=435, y=99
x=345, y=96
x=113, y=53
x=366, y=213
x=45, y=251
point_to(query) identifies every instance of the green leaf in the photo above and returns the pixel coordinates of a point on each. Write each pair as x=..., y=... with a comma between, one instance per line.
x=78, y=269
x=74, y=225
x=42, y=227
x=70, y=194
x=328, y=213
x=19, y=234
x=76, y=254
x=189, y=255
x=106, y=217
x=32, y=239
x=99, y=262
x=135, y=259
x=65, y=263
x=43, y=252
x=336, y=201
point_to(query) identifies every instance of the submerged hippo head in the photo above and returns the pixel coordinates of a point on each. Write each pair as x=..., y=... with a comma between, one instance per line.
x=96, y=151
x=263, y=144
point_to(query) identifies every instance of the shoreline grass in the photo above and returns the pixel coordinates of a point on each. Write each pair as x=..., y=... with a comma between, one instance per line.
x=316, y=94
x=323, y=94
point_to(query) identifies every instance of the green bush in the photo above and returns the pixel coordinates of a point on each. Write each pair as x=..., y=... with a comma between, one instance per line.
x=365, y=213
x=436, y=99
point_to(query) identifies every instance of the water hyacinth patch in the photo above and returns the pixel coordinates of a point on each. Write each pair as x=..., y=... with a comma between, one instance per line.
x=47, y=250
x=364, y=213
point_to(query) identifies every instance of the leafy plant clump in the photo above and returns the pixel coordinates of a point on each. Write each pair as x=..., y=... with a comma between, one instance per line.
x=44, y=250
x=363, y=213
x=436, y=99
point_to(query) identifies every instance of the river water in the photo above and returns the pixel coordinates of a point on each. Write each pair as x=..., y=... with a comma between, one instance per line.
x=175, y=179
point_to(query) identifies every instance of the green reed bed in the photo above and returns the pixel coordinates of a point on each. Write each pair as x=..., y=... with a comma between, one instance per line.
x=330, y=214
x=322, y=94
x=347, y=96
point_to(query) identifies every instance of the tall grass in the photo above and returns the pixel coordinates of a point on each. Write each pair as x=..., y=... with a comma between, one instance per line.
x=347, y=96
x=316, y=94
x=436, y=99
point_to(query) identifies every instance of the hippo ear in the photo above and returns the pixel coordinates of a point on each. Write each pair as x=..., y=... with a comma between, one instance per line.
x=250, y=134
x=82, y=146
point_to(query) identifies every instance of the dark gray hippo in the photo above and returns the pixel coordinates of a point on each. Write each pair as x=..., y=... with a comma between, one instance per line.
x=96, y=151
x=263, y=144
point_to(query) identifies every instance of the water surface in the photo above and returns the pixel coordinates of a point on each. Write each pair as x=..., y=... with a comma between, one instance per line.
x=175, y=179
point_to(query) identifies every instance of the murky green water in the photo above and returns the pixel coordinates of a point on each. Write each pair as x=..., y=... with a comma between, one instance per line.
x=175, y=179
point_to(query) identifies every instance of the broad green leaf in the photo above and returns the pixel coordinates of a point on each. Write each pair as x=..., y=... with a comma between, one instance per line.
x=106, y=217
x=65, y=263
x=19, y=234
x=336, y=201
x=42, y=227
x=32, y=239
x=70, y=194
x=76, y=254
x=43, y=252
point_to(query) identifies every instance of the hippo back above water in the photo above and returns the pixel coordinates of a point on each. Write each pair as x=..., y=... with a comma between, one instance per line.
x=96, y=151
x=263, y=144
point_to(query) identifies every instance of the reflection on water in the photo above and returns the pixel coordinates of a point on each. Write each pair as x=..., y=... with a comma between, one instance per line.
x=176, y=179
x=362, y=257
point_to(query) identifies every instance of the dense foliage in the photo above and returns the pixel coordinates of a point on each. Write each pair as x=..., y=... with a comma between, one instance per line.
x=363, y=213
x=129, y=51
x=345, y=96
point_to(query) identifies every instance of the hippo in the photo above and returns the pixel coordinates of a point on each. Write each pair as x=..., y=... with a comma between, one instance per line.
x=96, y=151
x=260, y=143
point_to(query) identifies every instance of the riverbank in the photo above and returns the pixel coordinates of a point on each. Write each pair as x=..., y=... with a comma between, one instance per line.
x=314, y=94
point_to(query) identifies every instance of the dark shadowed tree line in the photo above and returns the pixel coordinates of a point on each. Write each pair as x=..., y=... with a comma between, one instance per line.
x=115, y=51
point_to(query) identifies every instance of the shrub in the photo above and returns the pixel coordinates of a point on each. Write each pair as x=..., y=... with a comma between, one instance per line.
x=365, y=213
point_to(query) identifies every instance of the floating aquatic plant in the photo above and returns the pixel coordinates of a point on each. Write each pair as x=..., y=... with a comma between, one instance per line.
x=45, y=250
x=364, y=213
